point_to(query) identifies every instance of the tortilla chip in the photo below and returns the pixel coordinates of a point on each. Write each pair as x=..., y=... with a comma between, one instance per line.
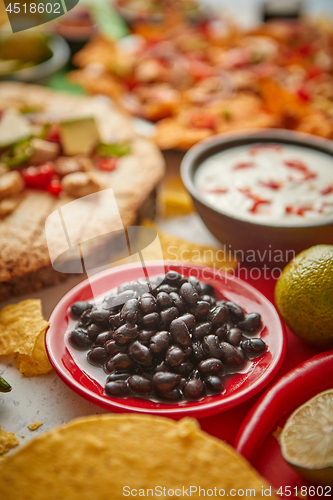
x=36, y=364
x=8, y=440
x=104, y=456
x=177, y=249
x=22, y=332
x=174, y=199
x=35, y=425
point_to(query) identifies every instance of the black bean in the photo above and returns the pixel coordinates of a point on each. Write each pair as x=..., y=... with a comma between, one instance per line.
x=141, y=286
x=140, y=384
x=173, y=395
x=188, y=351
x=172, y=278
x=201, y=309
x=164, y=301
x=194, y=389
x=166, y=288
x=123, y=297
x=117, y=376
x=232, y=357
x=210, y=366
x=189, y=320
x=99, y=316
x=130, y=311
x=202, y=329
x=93, y=331
x=78, y=308
x=211, y=346
x=126, y=333
x=253, y=347
x=184, y=368
x=150, y=321
x=140, y=353
x=97, y=356
x=221, y=332
x=167, y=315
x=124, y=287
x=85, y=317
x=145, y=335
x=160, y=342
x=214, y=383
x=117, y=388
x=198, y=352
x=177, y=301
x=208, y=298
x=180, y=332
x=162, y=367
x=195, y=283
x=79, y=339
x=165, y=381
x=251, y=322
x=189, y=294
x=104, y=337
x=174, y=356
x=218, y=315
x=207, y=289
x=236, y=312
x=234, y=336
x=147, y=303
x=115, y=320
x=120, y=362
x=113, y=347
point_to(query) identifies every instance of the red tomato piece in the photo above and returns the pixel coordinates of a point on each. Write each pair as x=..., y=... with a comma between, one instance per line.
x=107, y=164
x=53, y=134
x=38, y=177
x=203, y=119
x=54, y=187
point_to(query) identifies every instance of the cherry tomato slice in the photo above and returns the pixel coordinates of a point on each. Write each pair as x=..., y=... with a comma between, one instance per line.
x=38, y=177
x=54, y=187
x=107, y=164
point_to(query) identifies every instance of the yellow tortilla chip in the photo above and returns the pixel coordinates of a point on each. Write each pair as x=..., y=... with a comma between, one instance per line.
x=177, y=249
x=22, y=332
x=8, y=440
x=36, y=364
x=114, y=456
x=174, y=199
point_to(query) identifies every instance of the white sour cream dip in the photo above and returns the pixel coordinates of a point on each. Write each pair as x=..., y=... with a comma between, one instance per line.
x=269, y=183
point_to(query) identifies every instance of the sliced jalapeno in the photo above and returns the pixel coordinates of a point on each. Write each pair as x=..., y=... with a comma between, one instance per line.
x=4, y=386
x=121, y=149
x=17, y=154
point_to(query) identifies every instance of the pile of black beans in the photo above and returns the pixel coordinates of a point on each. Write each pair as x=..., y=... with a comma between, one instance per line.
x=176, y=342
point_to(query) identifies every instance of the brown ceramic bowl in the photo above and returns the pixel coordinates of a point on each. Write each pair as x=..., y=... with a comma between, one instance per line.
x=256, y=241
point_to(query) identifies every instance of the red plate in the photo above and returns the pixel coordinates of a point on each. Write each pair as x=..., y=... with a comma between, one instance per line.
x=255, y=440
x=239, y=387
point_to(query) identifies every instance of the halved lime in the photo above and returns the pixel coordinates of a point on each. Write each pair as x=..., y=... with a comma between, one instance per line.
x=307, y=439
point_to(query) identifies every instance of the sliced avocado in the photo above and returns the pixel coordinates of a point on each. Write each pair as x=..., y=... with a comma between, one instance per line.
x=14, y=127
x=79, y=136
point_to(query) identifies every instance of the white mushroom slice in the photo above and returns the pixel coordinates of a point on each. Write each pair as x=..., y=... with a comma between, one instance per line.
x=11, y=183
x=65, y=165
x=44, y=151
x=81, y=184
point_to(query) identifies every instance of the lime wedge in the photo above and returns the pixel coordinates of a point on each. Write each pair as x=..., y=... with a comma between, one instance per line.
x=307, y=439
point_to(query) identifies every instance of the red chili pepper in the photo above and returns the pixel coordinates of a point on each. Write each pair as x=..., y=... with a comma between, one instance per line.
x=271, y=184
x=290, y=209
x=257, y=201
x=327, y=190
x=54, y=187
x=301, y=167
x=38, y=177
x=107, y=164
x=258, y=148
x=244, y=164
x=53, y=134
x=217, y=191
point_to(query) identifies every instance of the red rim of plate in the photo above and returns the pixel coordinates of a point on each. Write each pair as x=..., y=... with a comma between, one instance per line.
x=239, y=387
x=293, y=389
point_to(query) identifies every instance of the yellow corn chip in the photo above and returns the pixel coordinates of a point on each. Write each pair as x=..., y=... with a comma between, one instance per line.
x=177, y=249
x=22, y=332
x=20, y=325
x=36, y=364
x=8, y=440
x=174, y=199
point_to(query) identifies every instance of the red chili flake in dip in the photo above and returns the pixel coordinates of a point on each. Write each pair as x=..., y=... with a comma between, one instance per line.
x=271, y=184
x=258, y=148
x=301, y=167
x=327, y=190
x=298, y=210
x=243, y=164
x=257, y=201
x=217, y=191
